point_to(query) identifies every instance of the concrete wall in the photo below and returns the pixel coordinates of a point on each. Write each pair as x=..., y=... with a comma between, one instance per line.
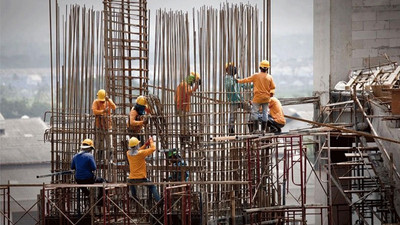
x=375, y=31
x=350, y=35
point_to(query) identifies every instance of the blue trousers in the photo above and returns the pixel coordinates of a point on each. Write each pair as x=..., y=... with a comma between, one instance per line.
x=255, y=111
x=152, y=188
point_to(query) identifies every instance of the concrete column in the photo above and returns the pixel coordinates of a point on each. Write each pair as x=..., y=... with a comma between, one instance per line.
x=332, y=44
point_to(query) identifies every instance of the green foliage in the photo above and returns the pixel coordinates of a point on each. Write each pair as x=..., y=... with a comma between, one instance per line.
x=17, y=108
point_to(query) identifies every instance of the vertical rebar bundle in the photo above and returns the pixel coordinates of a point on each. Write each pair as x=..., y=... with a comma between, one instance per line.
x=77, y=57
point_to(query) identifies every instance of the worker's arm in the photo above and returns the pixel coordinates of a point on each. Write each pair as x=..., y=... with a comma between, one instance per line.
x=96, y=111
x=73, y=164
x=92, y=163
x=177, y=93
x=191, y=90
x=272, y=88
x=147, y=151
x=132, y=119
x=246, y=80
x=111, y=103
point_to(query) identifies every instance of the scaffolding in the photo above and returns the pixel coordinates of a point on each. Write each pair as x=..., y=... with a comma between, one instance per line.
x=238, y=179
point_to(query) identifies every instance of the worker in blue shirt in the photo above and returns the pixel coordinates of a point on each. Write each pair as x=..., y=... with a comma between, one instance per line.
x=84, y=165
x=176, y=160
x=234, y=97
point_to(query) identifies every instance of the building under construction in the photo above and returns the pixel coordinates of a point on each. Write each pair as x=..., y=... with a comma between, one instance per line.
x=341, y=168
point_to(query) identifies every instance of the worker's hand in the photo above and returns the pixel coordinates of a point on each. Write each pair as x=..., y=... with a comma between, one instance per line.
x=145, y=120
x=148, y=141
x=107, y=98
x=105, y=110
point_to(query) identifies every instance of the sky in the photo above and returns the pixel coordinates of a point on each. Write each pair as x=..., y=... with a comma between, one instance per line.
x=24, y=27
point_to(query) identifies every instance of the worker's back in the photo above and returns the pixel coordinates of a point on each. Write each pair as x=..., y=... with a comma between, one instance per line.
x=83, y=163
x=263, y=84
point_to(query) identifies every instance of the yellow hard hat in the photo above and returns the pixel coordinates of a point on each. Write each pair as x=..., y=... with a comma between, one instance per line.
x=87, y=143
x=229, y=64
x=264, y=64
x=133, y=142
x=101, y=95
x=196, y=75
x=141, y=100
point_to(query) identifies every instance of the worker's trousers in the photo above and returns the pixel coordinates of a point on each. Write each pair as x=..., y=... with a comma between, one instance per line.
x=102, y=143
x=152, y=188
x=272, y=123
x=233, y=107
x=255, y=110
x=91, y=181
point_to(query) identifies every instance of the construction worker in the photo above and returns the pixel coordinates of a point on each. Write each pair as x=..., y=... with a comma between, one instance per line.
x=174, y=159
x=233, y=96
x=276, y=119
x=84, y=165
x=264, y=89
x=102, y=107
x=137, y=165
x=182, y=100
x=138, y=118
x=184, y=91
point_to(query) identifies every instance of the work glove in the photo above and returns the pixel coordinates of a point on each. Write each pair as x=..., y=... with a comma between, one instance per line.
x=199, y=81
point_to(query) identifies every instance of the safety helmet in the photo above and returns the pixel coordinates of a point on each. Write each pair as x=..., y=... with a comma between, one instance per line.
x=141, y=100
x=264, y=64
x=229, y=64
x=101, y=95
x=87, y=143
x=195, y=75
x=133, y=142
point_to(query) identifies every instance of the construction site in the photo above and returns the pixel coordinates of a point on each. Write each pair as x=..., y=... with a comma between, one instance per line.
x=341, y=167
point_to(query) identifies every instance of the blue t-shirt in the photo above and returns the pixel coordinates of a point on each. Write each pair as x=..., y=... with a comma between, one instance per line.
x=83, y=163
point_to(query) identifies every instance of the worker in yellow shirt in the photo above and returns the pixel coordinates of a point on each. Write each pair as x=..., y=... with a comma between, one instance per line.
x=101, y=108
x=137, y=165
x=138, y=118
x=276, y=118
x=264, y=89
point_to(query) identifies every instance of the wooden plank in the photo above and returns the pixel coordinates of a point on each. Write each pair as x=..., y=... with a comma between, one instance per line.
x=392, y=77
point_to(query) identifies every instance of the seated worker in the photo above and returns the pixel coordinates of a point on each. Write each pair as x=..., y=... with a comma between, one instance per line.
x=276, y=119
x=137, y=165
x=137, y=117
x=176, y=160
x=83, y=163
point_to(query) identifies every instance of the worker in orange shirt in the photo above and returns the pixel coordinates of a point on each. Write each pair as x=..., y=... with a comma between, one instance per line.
x=137, y=165
x=102, y=107
x=182, y=101
x=138, y=118
x=264, y=89
x=276, y=118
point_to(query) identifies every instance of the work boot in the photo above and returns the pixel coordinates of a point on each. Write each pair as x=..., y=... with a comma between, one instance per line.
x=255, y=126
x=274, y=129
x=250, y=125
x=263, y=126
